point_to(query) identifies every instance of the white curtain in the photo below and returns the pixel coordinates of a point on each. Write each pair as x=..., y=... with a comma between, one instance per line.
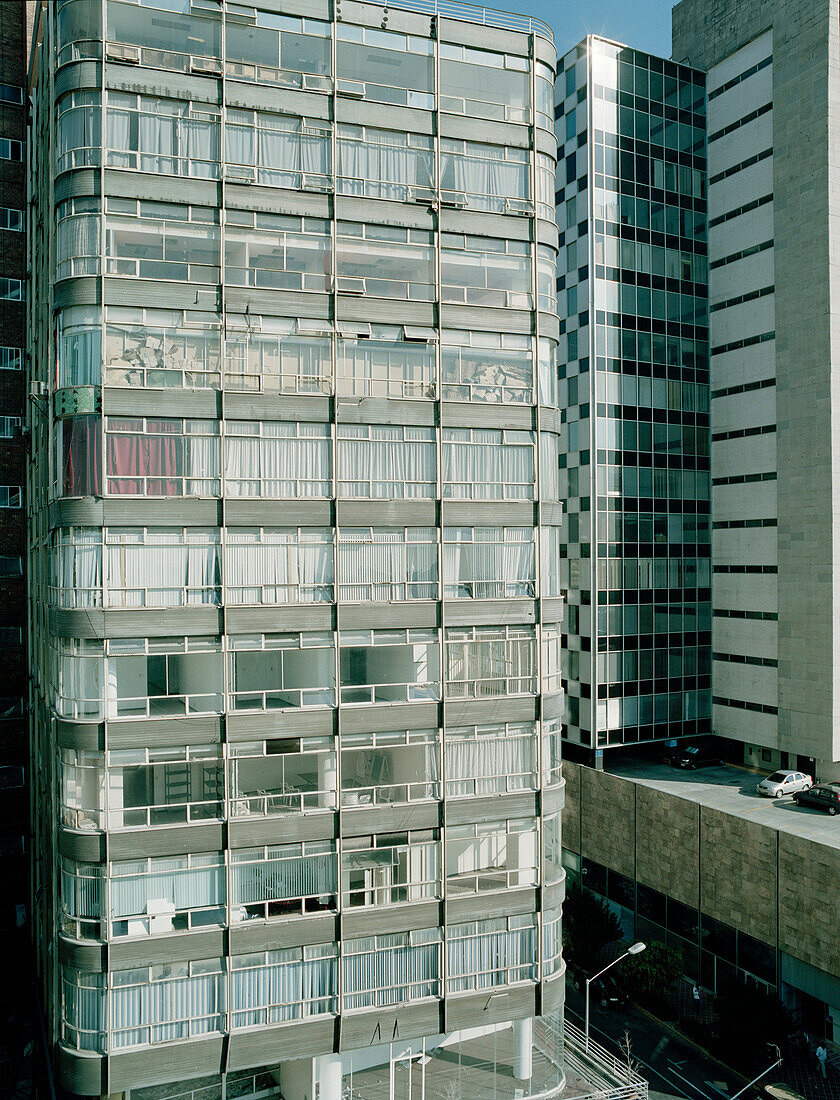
x=488, y=175
x=490, y=958
x=483, y=764
x=157, y=141
x=276, y=567
x=389, y=974
x=278, y=154
x=391, y=167
x=200, y=145
x=549, y=468
x=281, y=878
x=118, y=137
x=78, y=128
x=162, y=572
x=84, y=1007
x=277, y=465
x=172, y=1008
x=80, y=357
x=184, y=887
x=550, y=549
x=487, y=469
x=381, y=569
x=286, y=988
x=77, y=250
x=82, y=890
x=387, y=467
x=201, y=465
x=77, y=568
x=240, y=143
x=488, y=569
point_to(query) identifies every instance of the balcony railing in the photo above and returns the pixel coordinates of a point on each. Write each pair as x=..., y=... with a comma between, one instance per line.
x=487, y=17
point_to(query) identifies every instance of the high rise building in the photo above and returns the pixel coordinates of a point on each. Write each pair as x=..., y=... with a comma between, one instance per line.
x=706, y=866
x=635, y=454
x=293, y=539
x=14, y=806
x=773, y=292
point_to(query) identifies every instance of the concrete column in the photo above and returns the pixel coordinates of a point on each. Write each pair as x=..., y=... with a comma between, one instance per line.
x=327, y=777
x=329, y=1077
x=523, y=1046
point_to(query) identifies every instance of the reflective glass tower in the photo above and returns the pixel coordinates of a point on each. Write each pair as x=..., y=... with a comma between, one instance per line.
x=294, y=544
x=635, y=386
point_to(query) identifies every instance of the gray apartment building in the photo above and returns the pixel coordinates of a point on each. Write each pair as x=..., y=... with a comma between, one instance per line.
x=294, y=528
x=631, y=205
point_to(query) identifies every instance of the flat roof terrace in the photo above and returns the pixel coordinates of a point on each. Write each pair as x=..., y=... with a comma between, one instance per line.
x=731, y=790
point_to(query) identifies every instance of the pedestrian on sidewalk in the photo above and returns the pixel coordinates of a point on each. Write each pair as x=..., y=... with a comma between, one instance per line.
x=822, y=1055
x=697, y=994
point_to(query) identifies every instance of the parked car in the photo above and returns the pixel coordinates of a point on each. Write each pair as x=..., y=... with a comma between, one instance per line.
x=825, y=796
x=604, y=991
x=699, y=754
x=608, y=992
x=782, y=783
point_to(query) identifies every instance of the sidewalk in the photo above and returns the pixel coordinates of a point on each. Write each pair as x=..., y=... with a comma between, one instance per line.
x=798, y=1070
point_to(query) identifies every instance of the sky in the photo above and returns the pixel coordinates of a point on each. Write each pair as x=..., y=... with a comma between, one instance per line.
x=644, y=24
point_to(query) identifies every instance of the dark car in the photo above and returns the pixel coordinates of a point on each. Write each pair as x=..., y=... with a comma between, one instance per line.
x=604, y=991
x=825, y=796
x=697, y=755
x=607, y=992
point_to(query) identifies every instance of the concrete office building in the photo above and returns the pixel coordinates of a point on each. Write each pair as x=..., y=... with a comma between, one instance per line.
x=772, y=120
x=293, y=540
x=634, y=368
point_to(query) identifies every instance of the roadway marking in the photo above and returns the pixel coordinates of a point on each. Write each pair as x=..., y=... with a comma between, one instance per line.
x=705, y=1095
x=663, y=1042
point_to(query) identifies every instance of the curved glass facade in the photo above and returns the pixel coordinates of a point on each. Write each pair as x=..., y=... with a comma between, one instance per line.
x=295, y=541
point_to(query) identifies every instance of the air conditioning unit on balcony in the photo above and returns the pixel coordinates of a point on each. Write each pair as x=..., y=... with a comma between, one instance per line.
x=314, y=83
x=210, y=65
x=315, y=183
x=518, y=206
x=240, y=173
x=353, y=89
x=346, y=284
x=128, y=55
x=455, y=199
x=424, y=195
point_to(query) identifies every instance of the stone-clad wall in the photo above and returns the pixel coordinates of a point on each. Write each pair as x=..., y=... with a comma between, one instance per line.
x=670, y=864
x=607, y=829
x=778, y=888
x=738, y=873
x=809, y=921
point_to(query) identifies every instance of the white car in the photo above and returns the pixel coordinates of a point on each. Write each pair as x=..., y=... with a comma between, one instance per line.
x=782, y=783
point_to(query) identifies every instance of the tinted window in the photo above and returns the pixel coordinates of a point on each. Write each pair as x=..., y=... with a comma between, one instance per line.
x=777, y=777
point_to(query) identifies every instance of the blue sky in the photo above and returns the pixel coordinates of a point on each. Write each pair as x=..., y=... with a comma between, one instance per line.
x=645, y=24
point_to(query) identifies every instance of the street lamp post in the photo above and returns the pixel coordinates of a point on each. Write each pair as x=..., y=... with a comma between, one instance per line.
x=778, y=1062
x=634, y=950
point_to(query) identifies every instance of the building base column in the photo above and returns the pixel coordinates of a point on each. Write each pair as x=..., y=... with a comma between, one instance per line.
x=328, y=1068
x=523, y=1047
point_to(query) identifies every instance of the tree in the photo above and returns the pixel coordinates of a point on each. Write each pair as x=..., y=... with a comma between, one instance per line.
x=588, y=926
x=625, y=1046
x=648, y=976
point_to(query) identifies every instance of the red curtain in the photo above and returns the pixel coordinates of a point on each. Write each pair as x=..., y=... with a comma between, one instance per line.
x=155, y=458
x=81, y=444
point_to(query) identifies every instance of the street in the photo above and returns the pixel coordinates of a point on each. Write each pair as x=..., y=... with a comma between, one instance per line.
x=672, y=1066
